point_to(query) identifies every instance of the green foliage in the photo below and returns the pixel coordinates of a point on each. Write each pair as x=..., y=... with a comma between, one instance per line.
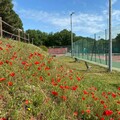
x=44, y=48
x=8, y=15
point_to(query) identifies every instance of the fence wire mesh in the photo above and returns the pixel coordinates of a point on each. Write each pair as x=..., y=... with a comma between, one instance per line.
x=96, y=48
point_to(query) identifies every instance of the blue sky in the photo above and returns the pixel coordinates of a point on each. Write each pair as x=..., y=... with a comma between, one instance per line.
x=91, y=16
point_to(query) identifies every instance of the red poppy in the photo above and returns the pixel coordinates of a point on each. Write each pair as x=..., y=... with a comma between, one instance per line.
x=88, y=111
x=64, y=98
x=41, y=78
x=102, y=118
x=2, y=79
x=108, y=112
x=102, y=102
x=12, y=74
x=1, y=62
x=24, y=62
x=75, y=113
x=26, y=102
x=85, y=92
x=39, y=68
x=54, y=93
x=83, y=98
x=113, y=95
x=74, y=87
x=1, y=48
x=78, y=78
x=10, y=83
x=3, y=119
x=37, y=62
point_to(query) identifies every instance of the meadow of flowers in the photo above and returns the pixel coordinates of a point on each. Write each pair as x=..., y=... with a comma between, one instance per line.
x=36, y=86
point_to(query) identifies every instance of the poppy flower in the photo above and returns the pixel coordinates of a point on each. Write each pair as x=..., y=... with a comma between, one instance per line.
x=3, y=119
x=36, y=63
x=1, y=48
x=41, y=78
x=75, y=113
x=64, y=98
x=12, y=74
x=108, y=112
x=1, y=62
x=2, y=79
x=26, y=102
x=54, y=93
x=85, y=92
x=78, y=78
x=10, y=83
x=88, y=111
x=102, y=118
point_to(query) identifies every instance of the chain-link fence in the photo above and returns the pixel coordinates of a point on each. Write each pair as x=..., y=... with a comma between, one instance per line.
x=96, y=48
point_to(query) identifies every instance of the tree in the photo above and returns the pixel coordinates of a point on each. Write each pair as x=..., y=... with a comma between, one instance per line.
x=8, y=15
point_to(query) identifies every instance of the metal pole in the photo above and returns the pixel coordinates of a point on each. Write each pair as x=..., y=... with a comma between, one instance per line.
x=110, y=36
x=106, y=47
x=1, y=33
x=95, y=46
x=71, y=34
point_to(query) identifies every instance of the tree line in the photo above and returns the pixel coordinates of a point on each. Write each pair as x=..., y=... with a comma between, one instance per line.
x=10, y=16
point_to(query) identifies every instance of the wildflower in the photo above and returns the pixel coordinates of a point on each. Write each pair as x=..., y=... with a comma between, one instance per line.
x=1, y=48
x=88, y=111
x=85, y=92
x=39, y=68
x=75, y=113
x=24, y=62
x=41, y=78
x=3, y=119
x=107, y=112
x=54, y=93
x=74, y=87
x=26, y=102
x=102, y=118
x=78, y=78
x=10, y=83
x=47, y=68
x=83, y=98
x=64, y=98
x=28, y=109
x=1, y=62
x=113, y=95
x=102, y=102
x=2, y=79
x=119, y=88
x=12, y=74
x=37, y=62
x=0, y=42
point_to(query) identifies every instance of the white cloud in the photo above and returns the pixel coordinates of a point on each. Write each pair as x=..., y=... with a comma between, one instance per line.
x=82, y=22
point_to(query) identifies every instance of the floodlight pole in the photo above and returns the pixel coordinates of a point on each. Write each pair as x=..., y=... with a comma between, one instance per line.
x=71, y=34
x=110, y=36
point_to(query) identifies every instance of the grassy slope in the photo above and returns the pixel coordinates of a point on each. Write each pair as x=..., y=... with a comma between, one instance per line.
x=49, y=89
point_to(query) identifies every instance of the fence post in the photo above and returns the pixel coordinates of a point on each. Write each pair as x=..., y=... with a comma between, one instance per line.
x=28, y=38
x=1, y=33
x=18, y=35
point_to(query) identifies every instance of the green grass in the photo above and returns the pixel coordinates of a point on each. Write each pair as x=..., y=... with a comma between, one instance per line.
x=36, y=86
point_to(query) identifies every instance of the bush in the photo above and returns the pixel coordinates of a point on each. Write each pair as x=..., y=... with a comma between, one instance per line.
x=44, y=48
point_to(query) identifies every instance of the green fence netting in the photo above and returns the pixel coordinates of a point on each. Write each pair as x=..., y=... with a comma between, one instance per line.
x=96, y=48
